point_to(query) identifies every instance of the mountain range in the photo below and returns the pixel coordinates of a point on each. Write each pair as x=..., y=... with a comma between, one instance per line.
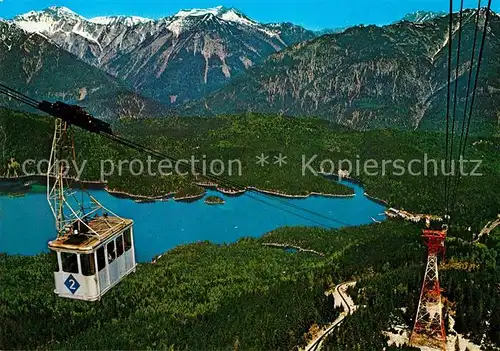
x=36, y=67
x=217, y=60
x=173, y=59
x=367, y=77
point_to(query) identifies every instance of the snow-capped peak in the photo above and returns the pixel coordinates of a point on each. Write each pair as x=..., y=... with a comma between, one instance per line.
x=232, y=15
x=46, y=20
x=128, y=21
x=62, y=20
x=200, y=12
x=53, y=13
x=226, y=14
x=63, y=11
x=184, y=18
x=422, y=16
x=56, y=13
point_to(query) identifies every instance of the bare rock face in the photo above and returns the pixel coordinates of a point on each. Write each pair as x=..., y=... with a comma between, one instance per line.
x=187, y=55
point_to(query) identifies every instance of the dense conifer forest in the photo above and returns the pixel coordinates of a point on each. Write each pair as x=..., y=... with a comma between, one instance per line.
x=252, y=296
x=248, y=295
x=300, y=139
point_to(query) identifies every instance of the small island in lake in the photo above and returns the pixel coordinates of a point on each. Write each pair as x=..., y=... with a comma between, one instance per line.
x=214, y=200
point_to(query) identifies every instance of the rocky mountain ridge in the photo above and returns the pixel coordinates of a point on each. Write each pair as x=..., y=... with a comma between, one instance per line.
x=172, y=59
x=36, y=67
x=369, y=77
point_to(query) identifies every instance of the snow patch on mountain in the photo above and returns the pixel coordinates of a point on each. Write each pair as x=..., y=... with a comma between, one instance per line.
x=128, y=21
x=87, y=36
x=35, y=27
x=200, y=12
x=233, y=16
x=422, y=16
x=176, y=26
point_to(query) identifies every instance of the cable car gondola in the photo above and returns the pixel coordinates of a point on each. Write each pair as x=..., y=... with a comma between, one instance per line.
x=90, y=265
x=94, y=247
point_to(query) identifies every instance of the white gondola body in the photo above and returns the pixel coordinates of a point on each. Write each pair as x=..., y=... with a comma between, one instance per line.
x=88, y=267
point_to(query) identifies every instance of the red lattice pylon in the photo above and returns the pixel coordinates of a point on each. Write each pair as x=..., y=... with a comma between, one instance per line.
x=429, y=325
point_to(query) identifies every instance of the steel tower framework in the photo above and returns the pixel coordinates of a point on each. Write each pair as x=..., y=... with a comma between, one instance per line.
x=429, y=328
x=68, y=207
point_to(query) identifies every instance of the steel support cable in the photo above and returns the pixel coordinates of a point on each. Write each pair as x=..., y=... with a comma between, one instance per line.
x=18, y=93
x=448, y=101
x=467, y=97
x=455, y=94
x=18, y=98
x=222, y=181
x=476, y=80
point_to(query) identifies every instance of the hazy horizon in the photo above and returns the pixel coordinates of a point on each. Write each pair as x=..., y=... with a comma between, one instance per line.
x=313, y=14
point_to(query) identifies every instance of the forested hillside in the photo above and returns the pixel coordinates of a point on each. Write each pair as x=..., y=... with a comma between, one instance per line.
x=247, y=136
x=33, y=65
x=201, y=295
x=249, y=296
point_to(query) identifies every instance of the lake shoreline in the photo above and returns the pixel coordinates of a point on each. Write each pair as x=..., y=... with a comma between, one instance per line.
x=228, y=192
x=226, y=225
x=98, y=185
x=358, y=182
x=222, y=191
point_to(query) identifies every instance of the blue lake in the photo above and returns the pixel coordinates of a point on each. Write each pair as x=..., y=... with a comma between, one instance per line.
x=26, y=223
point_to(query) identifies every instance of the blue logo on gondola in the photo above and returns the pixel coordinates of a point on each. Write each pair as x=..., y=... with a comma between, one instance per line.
x=72, y=284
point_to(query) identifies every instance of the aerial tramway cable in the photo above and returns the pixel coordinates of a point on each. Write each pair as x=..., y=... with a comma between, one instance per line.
x=18, y=96
x=481, y=53
x=455, y=93
x=467, y=98
x=221, y=181
x=448, y=101
x=463, y=143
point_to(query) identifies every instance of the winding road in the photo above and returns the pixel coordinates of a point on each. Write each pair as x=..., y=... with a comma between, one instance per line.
x=341, y=298
x=488, y=228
